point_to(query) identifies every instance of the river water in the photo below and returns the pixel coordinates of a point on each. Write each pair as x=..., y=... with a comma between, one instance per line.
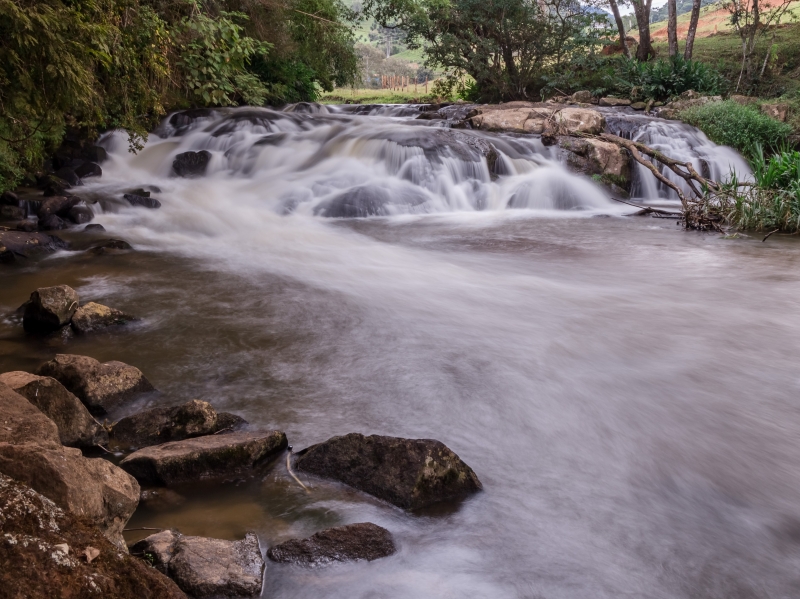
x=626, y=391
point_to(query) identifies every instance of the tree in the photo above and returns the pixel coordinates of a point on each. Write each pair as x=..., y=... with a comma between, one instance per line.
x=687, y=52
x=641, y=9
x=672, y=27
x=751, y=21
x=620, y=27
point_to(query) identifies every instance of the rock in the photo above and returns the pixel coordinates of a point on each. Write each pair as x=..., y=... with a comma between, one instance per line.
x=110, y=246
x=570, y=121
x=89, y=169
x=364, y=541
x=143, y=201
x=584, y=97
x=96, y=154
x=80, y=214
x=673, y=109
x=52, y=223
x=49, y=309
x=31, y=452
x=511, y=117
x=639, y=105
x=76, y=427
x=211, y=456
x=93, y=317
x=95, y=227
x=204, y=567
x=609, y=101
x=161, y=425
x=101, y=387
x=779, y=112
x=34, y=533
x=12, y=213
x=184, y=119
x=8, y=198
x=410, y=473
x=68, y=175
x=56, y=205
x=52, y=185
x=597, y=157
x=229, y=422
x=744, y=100
x=27, y=225
x=191, y=164
x=139, y=191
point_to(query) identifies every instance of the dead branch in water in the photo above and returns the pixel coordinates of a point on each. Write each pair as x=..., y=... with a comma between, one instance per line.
x=645, y=209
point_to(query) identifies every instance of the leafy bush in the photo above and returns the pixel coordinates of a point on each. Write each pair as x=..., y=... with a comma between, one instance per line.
x=665, y=78
x=741, y=127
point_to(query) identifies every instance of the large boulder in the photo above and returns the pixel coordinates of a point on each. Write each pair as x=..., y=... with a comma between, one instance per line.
x=515, y=117
x=205, y=567
x=49, y=309
x=22, y=244
x=212, y=456
x=44, y=553
x=779, y=112
x=143, y=201
x=162, y=425
x=101, y=387
x=76, y=427
x=571, y=121
x=410, y=473
x=583, y=96
x=56, y=206
x=364, y=541
x=191, y=164
x=94, y=317
x=596, y=157
x=673, y=109
x=31, y=452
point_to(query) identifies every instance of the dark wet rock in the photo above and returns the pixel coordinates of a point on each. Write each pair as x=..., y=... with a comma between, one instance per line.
x=182, y=120
x=96, y=154
x=139, y=191
x=160, y=500
x=52, y=223
x=56, y=206
x=363, y=541
x=52, y=185
x=205, y=567
x=42, y=551
x=191, y=164
x=430, y=116
x=67, y=174
x=410, y=473
x=143, y=201
x=80, y=214
x=101, y=387
x=8, y=198
x=50, y=308
x=12, y=213
x=212, y=456
x=110, y=246
x=76, y=427
x=94, y=317
x=14, y=244
x=31, y=452
x=161, y=425
x=369, y=200
x=229, y=422
x=89, y=169
x=95, y=228
x=27, y=225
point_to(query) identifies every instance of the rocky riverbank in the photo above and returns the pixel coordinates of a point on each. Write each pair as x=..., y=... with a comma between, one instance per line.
x=64, y=506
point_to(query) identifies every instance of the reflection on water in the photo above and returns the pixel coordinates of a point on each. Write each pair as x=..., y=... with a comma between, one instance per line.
x=626, y=392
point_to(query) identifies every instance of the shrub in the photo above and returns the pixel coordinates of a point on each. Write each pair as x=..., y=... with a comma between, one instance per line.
x=741, y=127
x=665, y=78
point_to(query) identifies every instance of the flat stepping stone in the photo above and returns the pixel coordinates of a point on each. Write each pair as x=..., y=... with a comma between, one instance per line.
x=363, y=541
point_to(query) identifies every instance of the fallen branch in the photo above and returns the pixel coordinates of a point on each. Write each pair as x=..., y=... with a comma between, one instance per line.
x=645, y=209
x=768, y=235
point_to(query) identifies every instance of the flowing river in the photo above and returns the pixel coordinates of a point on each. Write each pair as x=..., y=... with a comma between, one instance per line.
x=626, y=391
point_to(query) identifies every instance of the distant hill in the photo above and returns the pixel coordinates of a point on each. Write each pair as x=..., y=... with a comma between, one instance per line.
x=684, y=6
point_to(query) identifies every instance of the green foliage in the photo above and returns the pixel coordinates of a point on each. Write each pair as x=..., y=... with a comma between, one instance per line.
x=214, y=57
x=741, y=127
x=665, y=78
x=507, y=47
x=779, y=171
x=289, y=80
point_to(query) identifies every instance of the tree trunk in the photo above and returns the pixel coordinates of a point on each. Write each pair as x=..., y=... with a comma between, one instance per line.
x=641, y=9
x=620, y=28
x=672, y=27
x=687, y=53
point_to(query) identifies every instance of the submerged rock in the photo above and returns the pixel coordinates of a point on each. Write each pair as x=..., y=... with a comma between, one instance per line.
x=31, y=452
x=212, y=456
x=101, y=387
x=191, y=164
x=80, y=214
x=50, y=308
x=205, y=567
x=143, y=201
x=76, y=427
x=109, y=246
x=94, y=317
x=160, y=500
x=364, y=541
x=89, y=169
x=43, y=551
x=410, y=473
x=161, y=425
